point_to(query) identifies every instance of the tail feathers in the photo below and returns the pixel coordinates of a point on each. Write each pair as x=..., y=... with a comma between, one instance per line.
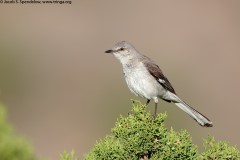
x=201, y=119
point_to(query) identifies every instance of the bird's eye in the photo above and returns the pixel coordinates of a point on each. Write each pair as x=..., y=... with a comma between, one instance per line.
x=121, y=49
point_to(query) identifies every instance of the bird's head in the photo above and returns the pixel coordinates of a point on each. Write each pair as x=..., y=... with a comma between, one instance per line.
x=123, y=51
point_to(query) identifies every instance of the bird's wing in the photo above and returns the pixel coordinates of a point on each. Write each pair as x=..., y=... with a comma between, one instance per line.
x=156, y=72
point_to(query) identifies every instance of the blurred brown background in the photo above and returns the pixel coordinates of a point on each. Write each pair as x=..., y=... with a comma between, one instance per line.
x=62, y=91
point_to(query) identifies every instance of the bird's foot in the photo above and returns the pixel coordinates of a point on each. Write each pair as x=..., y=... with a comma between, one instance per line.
x=130, y=113
x=154, y=116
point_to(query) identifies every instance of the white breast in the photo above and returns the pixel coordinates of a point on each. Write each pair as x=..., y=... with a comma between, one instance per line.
x=141, y=82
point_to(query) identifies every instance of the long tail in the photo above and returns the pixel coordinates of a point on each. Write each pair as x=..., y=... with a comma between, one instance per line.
x=201, y=119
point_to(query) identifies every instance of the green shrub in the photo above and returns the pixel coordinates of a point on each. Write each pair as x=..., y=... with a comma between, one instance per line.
x=68, y=156
x=140, y=136
x=219, y=150
x=12, y=147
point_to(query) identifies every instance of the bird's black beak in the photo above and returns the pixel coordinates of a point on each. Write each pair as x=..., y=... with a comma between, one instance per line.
x=109, y=51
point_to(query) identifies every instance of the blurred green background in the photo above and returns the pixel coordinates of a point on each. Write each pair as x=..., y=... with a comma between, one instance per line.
x=62, y=91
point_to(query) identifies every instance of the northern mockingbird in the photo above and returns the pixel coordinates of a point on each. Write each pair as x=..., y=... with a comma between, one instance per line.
x=145, y=79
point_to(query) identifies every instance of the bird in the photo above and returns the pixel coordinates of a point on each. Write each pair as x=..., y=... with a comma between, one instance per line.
x=144, y=78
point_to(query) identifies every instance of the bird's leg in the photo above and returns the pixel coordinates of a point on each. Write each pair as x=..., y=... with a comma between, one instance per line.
x=156, y=102
x=147, y=102
x=155, y=112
